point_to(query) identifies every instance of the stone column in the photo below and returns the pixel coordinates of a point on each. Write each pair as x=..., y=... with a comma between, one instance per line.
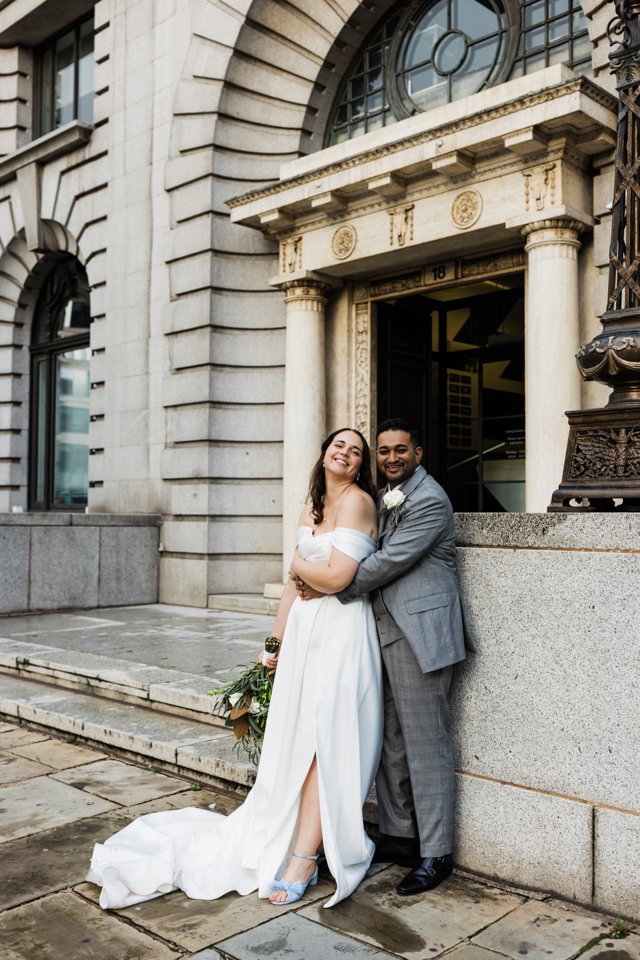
x=552, y=337
x=304, y=399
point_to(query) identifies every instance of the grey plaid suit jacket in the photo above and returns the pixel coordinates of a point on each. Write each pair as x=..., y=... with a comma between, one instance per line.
x=414, y=568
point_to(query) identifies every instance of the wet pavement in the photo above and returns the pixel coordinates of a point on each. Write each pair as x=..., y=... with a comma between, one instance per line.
x=58, y=798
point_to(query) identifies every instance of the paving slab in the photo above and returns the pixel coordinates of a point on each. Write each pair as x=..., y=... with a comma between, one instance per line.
x=65, y=927
x=58, y=754
x=626, y=949
x=470, y=951
x=415, y=927
x=121, y=782
x=41, y=804
x=14, y=736
x=203, y=797
x=539, y=931
x=14, y=768
x=53, y=860
x=195, y=924
x=209, y=954
x=294, y=938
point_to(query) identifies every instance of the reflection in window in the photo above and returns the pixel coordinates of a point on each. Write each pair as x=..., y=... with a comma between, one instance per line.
x=553, y=31
x=445, y=56
x=364, y=104
x=65, y=69
x=60, y=390
x=431, y=52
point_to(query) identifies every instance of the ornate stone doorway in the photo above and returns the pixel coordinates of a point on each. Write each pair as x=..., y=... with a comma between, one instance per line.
x=451, y=360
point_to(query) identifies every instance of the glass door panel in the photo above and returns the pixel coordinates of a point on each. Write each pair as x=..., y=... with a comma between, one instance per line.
x=452, y=363
x=41, y=375
x=71, y=434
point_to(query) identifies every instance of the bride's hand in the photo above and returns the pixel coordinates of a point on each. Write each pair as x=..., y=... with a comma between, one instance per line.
x=305, y=592
x=271, y=663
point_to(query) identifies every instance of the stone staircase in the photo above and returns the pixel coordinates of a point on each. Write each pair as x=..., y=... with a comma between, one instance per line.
x=66, y=673
x=141, y=710
x=136, y=708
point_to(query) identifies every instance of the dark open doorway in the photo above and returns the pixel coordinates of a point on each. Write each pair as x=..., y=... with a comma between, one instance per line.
x=452, y=362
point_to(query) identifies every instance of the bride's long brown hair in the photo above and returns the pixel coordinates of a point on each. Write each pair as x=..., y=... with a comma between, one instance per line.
x=317, y=482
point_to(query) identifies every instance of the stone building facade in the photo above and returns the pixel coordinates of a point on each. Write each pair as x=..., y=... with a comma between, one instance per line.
x=214, y=248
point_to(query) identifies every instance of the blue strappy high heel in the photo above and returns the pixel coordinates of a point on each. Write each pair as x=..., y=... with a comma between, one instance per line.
x=295, y=890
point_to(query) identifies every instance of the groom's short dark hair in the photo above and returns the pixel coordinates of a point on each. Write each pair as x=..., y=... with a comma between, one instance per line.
x=399, y=423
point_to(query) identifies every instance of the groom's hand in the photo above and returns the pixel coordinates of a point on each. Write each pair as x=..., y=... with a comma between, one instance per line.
x=305, y=592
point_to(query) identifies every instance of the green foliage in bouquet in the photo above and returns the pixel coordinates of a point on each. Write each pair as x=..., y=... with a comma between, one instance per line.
x=244, y=704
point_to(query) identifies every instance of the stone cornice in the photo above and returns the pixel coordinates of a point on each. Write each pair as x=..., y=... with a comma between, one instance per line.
x=577, y=85
x=63, y=140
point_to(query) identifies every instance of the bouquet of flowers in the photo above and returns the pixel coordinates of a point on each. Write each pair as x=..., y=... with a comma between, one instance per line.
x=244, y=702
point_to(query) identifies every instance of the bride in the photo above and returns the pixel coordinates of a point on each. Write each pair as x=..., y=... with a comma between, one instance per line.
x=322, y=741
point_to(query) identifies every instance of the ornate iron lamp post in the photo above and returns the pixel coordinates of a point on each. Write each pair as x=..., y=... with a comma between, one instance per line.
x=603, y=451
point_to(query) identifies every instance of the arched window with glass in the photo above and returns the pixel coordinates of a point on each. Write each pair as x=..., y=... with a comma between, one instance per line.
x=60, y=387
x=428, y=53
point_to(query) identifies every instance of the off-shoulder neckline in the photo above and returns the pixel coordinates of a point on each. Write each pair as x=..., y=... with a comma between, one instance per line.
x=306, y=526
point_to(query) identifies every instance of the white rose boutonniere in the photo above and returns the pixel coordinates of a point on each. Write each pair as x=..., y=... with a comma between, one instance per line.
x=393, y=503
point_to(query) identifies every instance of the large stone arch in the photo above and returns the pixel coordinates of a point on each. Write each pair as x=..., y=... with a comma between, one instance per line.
x=258, y=81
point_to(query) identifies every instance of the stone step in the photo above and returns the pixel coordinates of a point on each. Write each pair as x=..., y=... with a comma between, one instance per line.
x=189, y=747
x=243, y=603
x=168, y=690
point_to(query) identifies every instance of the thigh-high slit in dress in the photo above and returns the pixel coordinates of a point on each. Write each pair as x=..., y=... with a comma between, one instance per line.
x=327, y=703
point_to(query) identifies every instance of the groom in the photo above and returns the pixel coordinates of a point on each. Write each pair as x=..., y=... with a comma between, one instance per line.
x=413, y=583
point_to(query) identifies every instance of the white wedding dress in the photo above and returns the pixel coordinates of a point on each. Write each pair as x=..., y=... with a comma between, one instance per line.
x=327, y=702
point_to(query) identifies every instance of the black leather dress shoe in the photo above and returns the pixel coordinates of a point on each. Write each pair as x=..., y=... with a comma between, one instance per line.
x=402, y=850
x=426, y=876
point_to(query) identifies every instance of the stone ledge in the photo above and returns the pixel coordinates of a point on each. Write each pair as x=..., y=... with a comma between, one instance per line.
x=167, y=690
x=73, y=519
x=560, y=531
x=63, y=140
x=243, y=603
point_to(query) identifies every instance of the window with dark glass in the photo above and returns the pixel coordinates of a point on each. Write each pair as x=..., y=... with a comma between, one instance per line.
x=431, y=52
x=65, y=78
x=60, y=386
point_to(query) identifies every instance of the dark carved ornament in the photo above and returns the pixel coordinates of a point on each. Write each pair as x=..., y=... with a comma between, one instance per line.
x=603, y=454
x=602, y=465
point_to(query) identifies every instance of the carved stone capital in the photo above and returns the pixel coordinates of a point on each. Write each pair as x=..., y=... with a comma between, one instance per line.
x=306, y=294
x=561, y=232
x=554, y=223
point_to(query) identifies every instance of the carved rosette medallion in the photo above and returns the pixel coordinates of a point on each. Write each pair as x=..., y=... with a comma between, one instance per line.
x=606, y=454
x=343, y=241
x=466, y=209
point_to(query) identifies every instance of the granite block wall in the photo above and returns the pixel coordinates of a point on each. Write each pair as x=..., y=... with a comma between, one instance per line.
x=546, y=707
x=56, y=561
